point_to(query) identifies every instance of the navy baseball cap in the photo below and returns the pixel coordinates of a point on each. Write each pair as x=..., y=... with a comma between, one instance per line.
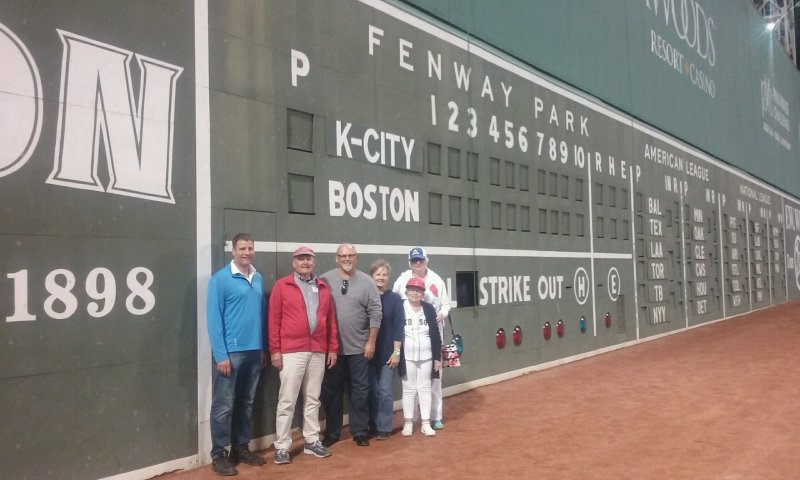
x=417, y=253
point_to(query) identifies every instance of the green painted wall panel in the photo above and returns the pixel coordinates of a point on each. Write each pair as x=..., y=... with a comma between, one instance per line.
x=702, y=87
x=98, y=294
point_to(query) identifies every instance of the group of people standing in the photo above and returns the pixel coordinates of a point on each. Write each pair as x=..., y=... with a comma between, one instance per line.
x=342, y=331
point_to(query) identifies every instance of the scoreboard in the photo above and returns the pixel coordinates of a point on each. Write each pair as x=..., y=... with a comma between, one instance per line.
x=139, y=139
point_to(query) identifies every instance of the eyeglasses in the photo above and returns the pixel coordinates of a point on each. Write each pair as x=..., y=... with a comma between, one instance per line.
x=345, y=284
x=346, y=255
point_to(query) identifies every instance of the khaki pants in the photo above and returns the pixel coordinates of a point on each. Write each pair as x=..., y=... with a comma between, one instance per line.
x=302, y=371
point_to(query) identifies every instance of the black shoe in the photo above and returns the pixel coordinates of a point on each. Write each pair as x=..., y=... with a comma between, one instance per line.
x=246, y=456
x=382, y=436
x=222, y=465
x=327, y=442
x=361, y=440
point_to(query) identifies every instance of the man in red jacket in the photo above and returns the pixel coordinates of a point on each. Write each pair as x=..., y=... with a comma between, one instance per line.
x=302, y=341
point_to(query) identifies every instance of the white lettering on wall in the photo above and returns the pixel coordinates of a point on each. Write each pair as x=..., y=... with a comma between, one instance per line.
x=374, y=146
x=21, y=103
x=498, y=289
x=373, y=201
x=98, y=110
x=65, y=295
x=300, y=66
x=691, y=24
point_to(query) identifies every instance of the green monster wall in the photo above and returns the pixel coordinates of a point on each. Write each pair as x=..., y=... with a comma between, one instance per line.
x=580, y=164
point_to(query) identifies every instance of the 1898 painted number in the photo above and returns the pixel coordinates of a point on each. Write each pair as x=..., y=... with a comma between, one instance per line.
x=100, y=286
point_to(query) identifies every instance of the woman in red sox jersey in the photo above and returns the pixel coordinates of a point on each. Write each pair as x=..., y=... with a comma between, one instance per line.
x=435, y=294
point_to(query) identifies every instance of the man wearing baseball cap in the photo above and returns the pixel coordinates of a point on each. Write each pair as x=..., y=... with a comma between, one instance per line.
x=435, y=294
x=302, y=341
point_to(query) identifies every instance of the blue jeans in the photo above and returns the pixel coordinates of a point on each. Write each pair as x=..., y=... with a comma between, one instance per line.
x=353, y=368
x=381, y=389
x=232, y=402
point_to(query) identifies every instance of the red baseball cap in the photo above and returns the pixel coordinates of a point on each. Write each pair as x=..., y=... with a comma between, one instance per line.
x=416, y=282
x=303, y=251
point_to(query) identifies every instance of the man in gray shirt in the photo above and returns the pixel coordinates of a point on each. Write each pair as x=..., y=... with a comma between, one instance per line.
x=358, y=315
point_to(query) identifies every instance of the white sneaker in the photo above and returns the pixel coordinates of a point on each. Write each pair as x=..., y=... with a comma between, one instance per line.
x=408, y=429
x=427, y=430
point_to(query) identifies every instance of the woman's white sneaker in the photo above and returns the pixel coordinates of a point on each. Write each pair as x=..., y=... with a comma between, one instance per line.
x=427, y=430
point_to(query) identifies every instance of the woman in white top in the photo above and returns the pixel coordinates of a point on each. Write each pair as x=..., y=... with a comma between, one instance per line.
x=422, y=349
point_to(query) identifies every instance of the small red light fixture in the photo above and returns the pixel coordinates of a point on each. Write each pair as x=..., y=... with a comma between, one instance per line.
x=560, y=328
x=547, y=330
x=516, y=335
x=608, y=320
x=500, y=338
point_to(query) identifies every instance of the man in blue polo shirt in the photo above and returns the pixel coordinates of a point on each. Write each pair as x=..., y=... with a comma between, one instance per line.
x=235, y=328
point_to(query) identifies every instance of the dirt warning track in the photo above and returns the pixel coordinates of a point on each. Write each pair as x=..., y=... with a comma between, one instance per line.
x=716, y=402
